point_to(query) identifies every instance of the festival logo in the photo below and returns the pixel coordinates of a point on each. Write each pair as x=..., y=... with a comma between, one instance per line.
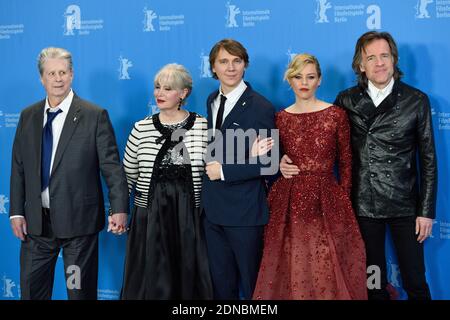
x=153, y=108
x=73, y=20
x=394, y=274
x=8, y=285
x=149, y=16
x=73, y=25
x=3, y=201
x=421, y=9
x=322, y=7
x=10, y=30
x=248, y=17
x=205, y=72
x=159, y=22
x=232, y=12
x=125, y=64
x=346, y=12
x=290, y=55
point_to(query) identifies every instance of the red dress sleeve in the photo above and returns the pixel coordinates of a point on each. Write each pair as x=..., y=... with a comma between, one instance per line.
x=344, y=151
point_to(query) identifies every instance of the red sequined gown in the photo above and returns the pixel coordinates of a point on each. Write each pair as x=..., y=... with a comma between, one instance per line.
x=312, y=245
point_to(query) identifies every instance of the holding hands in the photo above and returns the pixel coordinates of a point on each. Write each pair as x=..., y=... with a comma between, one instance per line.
x=117, y=223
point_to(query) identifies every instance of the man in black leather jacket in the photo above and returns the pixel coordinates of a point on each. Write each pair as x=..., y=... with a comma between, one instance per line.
x=390, y=126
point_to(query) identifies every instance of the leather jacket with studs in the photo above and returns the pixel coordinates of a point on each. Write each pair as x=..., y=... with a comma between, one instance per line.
x=394, y=159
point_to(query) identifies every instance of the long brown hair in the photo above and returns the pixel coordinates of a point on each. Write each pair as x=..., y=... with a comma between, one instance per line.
x=361, y=44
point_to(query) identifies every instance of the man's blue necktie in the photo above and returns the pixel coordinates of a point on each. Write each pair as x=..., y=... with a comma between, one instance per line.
x=47, y=146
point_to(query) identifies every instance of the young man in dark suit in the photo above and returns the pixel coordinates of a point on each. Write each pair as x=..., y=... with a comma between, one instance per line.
x=61, y=146
x=233, y=194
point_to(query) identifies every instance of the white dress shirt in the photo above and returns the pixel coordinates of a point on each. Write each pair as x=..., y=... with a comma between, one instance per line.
x=378, y=95
x=232, y=97
x=57, y=126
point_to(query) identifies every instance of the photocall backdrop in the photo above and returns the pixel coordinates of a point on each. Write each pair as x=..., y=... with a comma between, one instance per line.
x=118, y=46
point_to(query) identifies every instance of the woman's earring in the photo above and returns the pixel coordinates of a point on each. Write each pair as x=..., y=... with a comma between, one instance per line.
x=179, y=104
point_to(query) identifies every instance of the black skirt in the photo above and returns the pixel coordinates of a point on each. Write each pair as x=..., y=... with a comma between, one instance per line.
x=166, y=254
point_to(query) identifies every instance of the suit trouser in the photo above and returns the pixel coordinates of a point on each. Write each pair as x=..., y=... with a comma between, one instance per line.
x=234, y=255
x=38, y=256
x=409, y=254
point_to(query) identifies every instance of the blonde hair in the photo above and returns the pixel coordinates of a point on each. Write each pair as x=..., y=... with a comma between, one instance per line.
x=175, y=76
x=298, y=63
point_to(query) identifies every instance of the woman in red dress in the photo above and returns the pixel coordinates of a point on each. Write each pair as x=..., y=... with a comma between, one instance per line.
x=312, y=247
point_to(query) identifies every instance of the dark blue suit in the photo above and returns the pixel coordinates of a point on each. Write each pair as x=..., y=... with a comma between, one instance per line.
x=236, y=209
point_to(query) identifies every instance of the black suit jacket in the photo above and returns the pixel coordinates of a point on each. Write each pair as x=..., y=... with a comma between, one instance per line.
x=86, y=148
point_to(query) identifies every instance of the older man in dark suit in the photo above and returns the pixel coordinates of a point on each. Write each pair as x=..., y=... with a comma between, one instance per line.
x=62, y=144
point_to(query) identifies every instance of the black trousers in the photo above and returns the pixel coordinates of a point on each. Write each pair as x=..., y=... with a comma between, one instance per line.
x=409, y=254
x=38, y=256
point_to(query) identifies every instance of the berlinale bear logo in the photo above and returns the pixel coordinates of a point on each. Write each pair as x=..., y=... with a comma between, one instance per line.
x=232, y=12
x=322, y=7
x=421, y=9
x=125, y=64
x=149, y=16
